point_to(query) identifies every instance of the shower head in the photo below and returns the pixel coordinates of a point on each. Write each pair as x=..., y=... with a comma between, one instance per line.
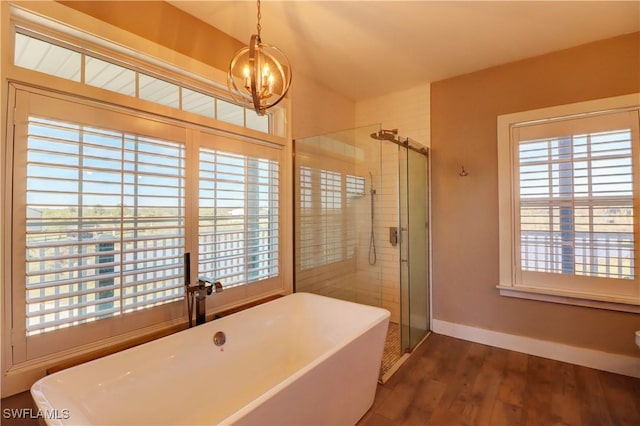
x=385, y=135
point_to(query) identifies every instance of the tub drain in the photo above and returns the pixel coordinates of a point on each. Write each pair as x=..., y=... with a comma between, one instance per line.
x=219, y=338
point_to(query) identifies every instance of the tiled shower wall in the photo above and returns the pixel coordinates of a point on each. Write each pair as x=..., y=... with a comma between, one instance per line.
x=355, y=279
x=385, y=272
x=326, y=263
x=351, y=153
x=409, y=112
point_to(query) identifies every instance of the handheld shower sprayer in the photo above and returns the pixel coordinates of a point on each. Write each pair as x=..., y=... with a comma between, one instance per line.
x=372, y=242
x=372, y=191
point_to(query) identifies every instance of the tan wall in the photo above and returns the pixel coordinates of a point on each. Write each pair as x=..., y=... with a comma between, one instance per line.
x=407, y=110
x=166, y=25
x=317, y=110
x=465, y=209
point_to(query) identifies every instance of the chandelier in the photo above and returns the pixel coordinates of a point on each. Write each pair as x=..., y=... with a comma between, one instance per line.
x=259, y=75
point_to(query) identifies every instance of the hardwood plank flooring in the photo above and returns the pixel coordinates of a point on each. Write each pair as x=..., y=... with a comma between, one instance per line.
x=453, y=382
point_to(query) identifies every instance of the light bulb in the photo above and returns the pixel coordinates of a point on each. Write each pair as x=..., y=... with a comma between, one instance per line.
x=247, y=77
x=271, y=81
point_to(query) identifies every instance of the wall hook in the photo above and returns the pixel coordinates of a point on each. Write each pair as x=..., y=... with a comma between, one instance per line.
x=463, y=172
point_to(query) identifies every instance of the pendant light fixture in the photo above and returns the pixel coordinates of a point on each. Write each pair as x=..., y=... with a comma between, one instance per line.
x=259, y=75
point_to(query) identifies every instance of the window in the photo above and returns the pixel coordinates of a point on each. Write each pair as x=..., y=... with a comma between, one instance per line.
x=238, y=217
x=48, y=56
x=102, y=219
x=569, y=187
x=103, y=195
x=105, y=223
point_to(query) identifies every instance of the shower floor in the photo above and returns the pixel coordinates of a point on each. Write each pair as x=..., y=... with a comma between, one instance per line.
x=393, y=356
x=392, y=352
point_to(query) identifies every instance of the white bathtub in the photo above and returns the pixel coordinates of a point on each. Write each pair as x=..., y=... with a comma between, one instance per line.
x=301, y=359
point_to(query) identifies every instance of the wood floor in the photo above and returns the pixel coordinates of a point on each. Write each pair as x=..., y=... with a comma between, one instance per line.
x=449, y=381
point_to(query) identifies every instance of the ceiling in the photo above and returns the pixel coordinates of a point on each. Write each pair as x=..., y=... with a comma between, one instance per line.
x=362, y=49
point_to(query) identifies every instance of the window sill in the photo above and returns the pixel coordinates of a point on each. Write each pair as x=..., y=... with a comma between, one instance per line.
x=566, y=298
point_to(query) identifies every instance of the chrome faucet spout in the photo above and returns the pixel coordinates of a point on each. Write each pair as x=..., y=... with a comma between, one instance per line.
x=198, y=294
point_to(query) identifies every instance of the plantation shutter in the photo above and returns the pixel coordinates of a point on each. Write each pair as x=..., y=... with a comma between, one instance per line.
x=575, y=200
x=238, y=218
x=103, y=208
x=104, y=223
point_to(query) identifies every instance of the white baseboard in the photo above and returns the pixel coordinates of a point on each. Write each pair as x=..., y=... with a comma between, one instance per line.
x=614, y=363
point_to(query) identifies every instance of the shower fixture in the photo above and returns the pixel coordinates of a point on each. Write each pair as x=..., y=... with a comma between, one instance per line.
x=385, y=135
x=372, y=242
x=392, y=136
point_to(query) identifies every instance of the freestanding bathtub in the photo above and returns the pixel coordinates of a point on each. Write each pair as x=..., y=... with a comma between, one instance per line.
x=301, y=359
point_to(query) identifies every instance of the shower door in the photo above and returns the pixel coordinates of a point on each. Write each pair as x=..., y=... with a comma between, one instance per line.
x=414, y=246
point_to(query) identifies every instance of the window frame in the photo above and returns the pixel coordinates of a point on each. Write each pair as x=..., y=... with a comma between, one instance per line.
x=141, y=72
x=77, y=29
x=508, y=187
x=66, y=340
x=130, y=129
x=208, y=141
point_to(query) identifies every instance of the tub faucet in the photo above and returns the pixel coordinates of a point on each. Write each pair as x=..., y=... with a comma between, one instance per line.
x=203, y=288
x=197, y=293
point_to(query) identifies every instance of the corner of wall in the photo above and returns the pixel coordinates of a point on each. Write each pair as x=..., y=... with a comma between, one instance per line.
x=407, y=110
x=317, y=110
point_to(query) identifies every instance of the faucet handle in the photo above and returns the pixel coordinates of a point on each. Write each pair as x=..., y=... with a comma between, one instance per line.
x=210, y=284
x=217, y=286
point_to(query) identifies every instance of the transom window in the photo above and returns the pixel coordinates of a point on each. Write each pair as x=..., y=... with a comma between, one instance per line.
x=53, y=58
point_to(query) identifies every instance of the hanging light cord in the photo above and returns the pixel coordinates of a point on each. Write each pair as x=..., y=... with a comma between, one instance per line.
x=259, y=15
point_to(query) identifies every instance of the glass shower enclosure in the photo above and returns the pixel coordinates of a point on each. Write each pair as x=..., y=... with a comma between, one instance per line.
x=361, y=225
x=414, y=246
